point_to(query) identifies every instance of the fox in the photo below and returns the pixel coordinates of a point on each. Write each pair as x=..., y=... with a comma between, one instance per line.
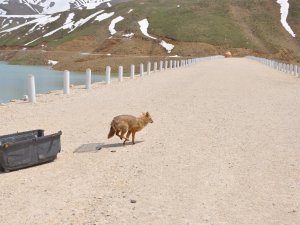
x=122, y=124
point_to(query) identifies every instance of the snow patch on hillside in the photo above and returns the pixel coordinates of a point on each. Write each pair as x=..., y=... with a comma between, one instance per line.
x=104, y=16
x=22, y=16
x=67, y=25
x=42, y=22
x=54, y=6
x=83, y=21
x=52, y=62
x=284, y=10
x=39, y=21
x=128, y=35
x=144, y=24
x=167, y=46
x=113, y=24
x=2, y=12
x=32, y=41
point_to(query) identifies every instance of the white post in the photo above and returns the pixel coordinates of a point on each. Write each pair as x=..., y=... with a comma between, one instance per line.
x=161, y=66
x=166, y=65
x=155, y=67
x=171, y=64
x=132, y=71
x=141, y=69
x=120, y=76
x=66, y=82
x=88, y=79
x=174, y=64
x=148, y=68
x=108, y=71
x=178, y=65
x=31, y=89
x=295, y=70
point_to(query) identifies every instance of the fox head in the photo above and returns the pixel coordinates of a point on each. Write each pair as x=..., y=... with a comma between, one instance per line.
x=148, y=117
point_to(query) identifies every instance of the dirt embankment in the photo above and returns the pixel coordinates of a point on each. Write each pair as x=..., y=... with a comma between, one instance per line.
x=86, y=52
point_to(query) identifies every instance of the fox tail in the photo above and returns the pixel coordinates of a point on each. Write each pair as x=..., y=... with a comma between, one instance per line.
x=111, y=132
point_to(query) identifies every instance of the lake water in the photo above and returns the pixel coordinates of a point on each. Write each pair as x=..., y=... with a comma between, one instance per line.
x=13, y=80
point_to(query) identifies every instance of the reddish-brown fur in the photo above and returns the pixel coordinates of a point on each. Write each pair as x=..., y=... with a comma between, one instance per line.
x=126, y=124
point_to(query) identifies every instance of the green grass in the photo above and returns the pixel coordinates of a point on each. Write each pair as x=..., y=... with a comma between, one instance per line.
x=207, y=21
x=294, y=11
x=196, y=24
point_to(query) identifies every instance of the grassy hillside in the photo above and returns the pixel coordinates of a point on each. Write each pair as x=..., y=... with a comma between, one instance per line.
x=251, y=24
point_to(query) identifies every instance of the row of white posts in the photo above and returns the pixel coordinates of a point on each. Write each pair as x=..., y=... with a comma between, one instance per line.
x=283, y=67
x=163, y=65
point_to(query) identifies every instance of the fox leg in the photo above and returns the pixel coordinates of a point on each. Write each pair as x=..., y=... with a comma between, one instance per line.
x=127, y=137
x=123, y=132
x=118, y=134
x=133, y=136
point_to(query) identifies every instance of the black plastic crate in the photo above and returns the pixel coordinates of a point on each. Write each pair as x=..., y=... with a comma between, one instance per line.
x=28, y=148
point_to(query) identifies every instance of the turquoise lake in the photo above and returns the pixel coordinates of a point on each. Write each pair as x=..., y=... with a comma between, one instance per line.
x=13, y=80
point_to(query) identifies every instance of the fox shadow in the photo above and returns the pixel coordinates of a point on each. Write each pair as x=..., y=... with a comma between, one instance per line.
x=95, y=147
x=118, y=145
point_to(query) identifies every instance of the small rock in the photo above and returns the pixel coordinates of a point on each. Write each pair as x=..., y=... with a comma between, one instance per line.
x=132, y=201
x=25, y=98
x=113, y=151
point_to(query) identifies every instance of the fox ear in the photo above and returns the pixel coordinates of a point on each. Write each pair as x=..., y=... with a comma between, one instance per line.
x=147, y=114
